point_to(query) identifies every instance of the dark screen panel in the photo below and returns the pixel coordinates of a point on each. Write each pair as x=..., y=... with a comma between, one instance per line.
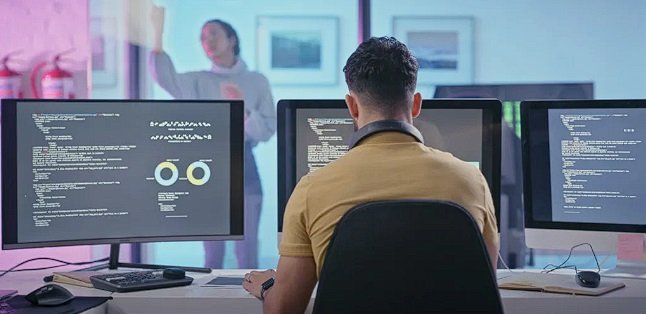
x=88, y=171
x=582, y=164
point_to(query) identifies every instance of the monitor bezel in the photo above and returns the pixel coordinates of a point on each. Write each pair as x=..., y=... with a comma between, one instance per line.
x=9, y=191
x=526, y=142
x=287, y=140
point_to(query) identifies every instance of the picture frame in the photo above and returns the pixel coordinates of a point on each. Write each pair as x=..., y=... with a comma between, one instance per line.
x=443, y=46
x=103, y=47
x=298, y=50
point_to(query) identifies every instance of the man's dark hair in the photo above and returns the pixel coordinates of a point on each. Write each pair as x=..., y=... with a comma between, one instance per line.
x=383, y=72
x=231, y=32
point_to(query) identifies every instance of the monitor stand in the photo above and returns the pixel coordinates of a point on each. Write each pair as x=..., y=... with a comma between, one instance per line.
x=627, y=269
x=113, y=263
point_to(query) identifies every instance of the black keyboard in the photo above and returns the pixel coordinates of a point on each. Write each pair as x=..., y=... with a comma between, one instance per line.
x=137, y=280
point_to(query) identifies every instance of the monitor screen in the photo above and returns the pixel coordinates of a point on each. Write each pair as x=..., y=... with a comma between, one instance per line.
x=583, y=161
x=313, y=133
x=117, y=171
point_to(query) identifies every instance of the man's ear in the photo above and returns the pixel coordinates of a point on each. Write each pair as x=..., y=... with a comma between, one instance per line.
x=417, y=104
x=351, y=102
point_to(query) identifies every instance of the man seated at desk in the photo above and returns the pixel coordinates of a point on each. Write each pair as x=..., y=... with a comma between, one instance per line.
x=382, y=164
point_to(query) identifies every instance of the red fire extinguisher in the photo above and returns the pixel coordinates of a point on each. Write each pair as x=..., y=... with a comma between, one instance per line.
x=55, y=83
x=10, y=80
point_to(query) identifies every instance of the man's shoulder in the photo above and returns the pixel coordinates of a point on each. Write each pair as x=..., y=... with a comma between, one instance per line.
x=466, y=169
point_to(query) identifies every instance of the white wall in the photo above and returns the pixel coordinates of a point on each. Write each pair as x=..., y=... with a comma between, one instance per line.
x=545, y=41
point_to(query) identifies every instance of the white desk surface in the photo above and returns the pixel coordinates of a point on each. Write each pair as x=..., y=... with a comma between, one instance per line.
x=29, y=281
x=197, y=299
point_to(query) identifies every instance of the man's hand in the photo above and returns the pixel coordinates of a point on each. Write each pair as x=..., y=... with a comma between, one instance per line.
x=253, y=281
x=157, y=17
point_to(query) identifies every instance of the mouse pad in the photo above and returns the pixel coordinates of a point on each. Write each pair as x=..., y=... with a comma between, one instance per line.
x=80, y=304
x=224, y=281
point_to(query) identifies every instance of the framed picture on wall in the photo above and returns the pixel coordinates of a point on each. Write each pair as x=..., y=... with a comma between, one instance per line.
x=443, y=47
x=104, y=51
x=298, y=50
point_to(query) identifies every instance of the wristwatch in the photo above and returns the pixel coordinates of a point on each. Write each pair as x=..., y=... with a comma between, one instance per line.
x=265, y=286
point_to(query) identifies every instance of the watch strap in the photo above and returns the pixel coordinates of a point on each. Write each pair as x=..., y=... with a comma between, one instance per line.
x=265, y=286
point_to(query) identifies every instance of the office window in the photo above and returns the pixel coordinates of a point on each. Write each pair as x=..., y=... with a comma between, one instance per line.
x=299, y=46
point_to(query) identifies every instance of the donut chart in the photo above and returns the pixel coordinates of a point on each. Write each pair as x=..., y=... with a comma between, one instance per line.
x=170, y=166
x=195, y=165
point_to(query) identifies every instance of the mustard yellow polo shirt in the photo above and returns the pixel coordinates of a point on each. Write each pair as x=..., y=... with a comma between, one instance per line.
x=384, y=166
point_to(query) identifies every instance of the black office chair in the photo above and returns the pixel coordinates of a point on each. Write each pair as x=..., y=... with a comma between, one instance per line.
x=411, y=256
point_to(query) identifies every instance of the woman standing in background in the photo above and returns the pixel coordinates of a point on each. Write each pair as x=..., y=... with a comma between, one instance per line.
x=228, y=78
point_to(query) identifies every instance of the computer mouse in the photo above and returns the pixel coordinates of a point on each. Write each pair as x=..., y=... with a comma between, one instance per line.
x=174, y=273
x=588, y=279
x=49, y=295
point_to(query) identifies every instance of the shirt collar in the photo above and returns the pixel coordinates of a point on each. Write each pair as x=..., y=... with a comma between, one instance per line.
x=388, y=137
x=385, y=126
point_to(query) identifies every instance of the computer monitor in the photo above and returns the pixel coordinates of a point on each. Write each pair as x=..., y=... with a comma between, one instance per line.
x=120, y=171
x=583, y=167
x=313, y=133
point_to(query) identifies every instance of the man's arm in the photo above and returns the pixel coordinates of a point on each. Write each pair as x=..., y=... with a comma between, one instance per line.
x=292, y=290
x=492, y=249
x=490, y=227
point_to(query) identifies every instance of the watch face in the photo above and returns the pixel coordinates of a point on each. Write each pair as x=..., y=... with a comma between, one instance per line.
x=267, y=284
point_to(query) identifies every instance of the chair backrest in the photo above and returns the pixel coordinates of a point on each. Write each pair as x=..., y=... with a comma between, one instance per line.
x=410, y=256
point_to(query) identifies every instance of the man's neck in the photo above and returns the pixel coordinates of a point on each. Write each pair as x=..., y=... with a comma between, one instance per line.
x=368, y=118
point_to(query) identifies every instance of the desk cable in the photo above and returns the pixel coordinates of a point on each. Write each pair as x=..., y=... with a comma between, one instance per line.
x=499, y=276
x=63, y=263
x=562, y=265
x=503, y=262
x=599, y=265
x=603, y=262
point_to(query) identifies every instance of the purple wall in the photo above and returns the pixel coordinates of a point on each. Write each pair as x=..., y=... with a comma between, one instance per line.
x=40, y=29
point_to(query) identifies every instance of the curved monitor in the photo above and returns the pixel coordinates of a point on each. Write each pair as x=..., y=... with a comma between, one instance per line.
x=120, y=171
x=583, y=163
x=313, y=133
